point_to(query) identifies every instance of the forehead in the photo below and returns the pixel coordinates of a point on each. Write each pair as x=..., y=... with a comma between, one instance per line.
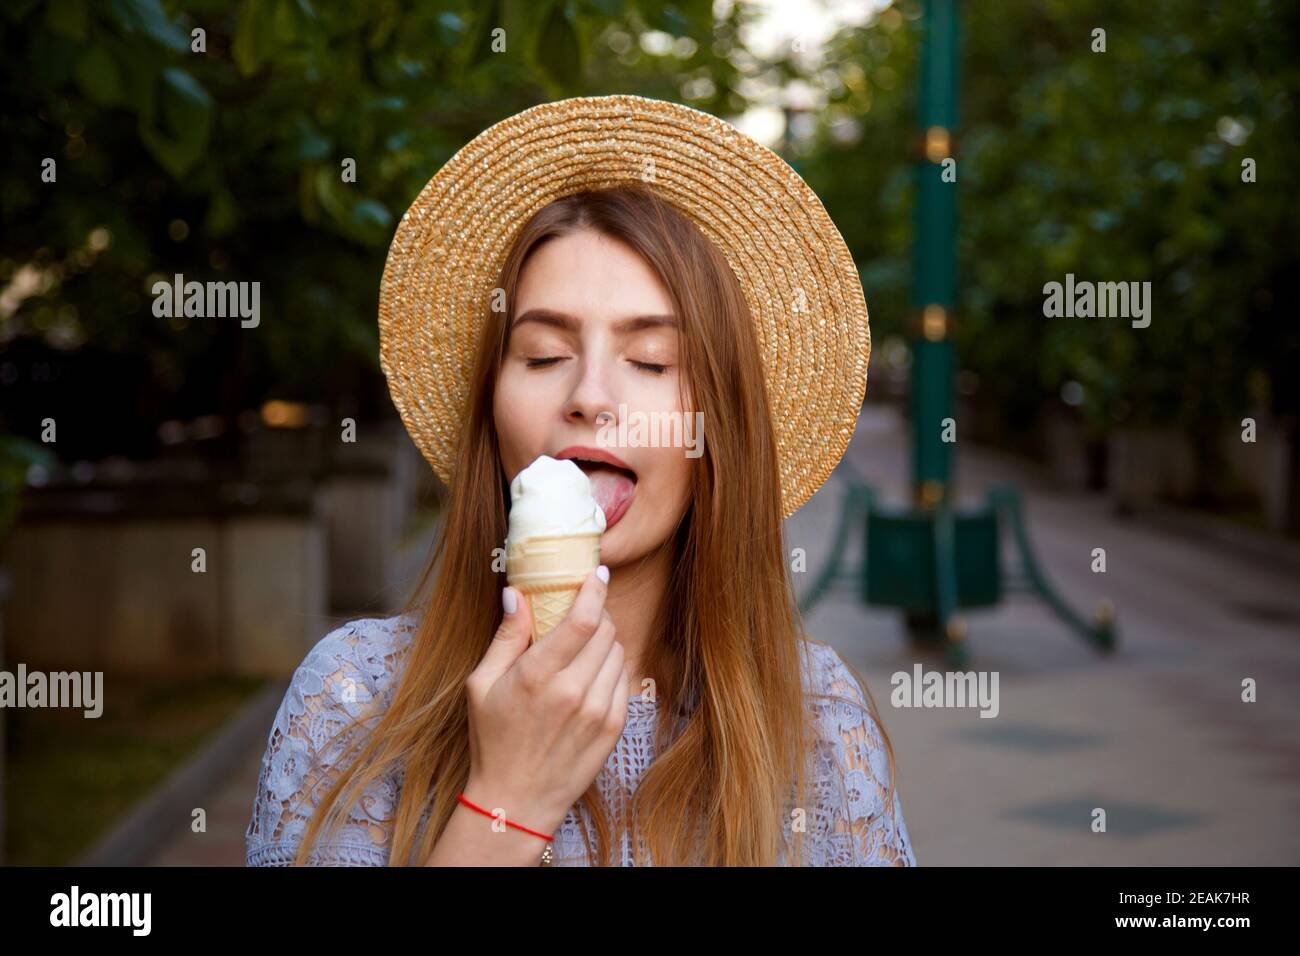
x=589, y=274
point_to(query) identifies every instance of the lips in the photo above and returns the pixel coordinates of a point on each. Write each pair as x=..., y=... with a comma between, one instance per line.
x=613, y=483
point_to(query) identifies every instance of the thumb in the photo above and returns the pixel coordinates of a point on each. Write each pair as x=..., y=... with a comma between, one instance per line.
x=512, y=636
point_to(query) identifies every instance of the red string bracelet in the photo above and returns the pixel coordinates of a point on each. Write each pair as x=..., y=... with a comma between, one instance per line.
x=518, y=826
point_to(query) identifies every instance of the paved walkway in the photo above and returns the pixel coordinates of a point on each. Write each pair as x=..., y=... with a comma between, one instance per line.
x=1155, y=734
x=231, y=806
x=228, y=815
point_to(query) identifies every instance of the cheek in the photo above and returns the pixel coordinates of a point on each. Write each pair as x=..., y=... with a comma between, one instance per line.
x=671, y=484
x=515, y=420
x=527, y=397
x=654, y=393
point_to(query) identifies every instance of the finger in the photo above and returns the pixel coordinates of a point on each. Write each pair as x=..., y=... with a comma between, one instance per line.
x=557, y=648
x=511, y=638
x=612, y=668
x=611, y=685
x=586, y=664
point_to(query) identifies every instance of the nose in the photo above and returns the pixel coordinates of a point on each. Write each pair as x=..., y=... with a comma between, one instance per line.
x=592, y=400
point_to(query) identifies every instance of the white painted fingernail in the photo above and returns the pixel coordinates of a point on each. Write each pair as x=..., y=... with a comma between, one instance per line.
x=602, y=572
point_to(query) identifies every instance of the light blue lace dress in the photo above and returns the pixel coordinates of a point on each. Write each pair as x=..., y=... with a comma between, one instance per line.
x=846, y=824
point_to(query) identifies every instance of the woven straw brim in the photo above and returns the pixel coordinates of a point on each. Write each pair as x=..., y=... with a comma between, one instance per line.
x=797, y=273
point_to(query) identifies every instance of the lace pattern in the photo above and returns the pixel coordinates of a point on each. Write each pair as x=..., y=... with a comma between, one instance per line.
x=849, y=822
x=334, y=687
x=330, y=691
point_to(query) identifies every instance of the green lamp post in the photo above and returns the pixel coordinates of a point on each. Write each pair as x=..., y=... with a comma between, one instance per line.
x=931, y=558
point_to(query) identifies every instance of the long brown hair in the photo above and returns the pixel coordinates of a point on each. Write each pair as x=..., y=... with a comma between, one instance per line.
x=726, y=648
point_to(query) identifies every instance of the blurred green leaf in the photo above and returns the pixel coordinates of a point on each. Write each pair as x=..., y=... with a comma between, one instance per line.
x=253, y=32
x=223, y=214
x=285, y=21
x=486, y=20
x=558, y=50
x=177, y=129
x=190, y=96
x=149, y=18
x=98, y=76
x=68, y=17
x=607, y=8
x=329, y=193
x=385, y=21
x=311, y=145
x=371, y=219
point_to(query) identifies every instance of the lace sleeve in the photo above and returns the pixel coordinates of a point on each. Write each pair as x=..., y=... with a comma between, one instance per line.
x=858, y=827
x=328, y=695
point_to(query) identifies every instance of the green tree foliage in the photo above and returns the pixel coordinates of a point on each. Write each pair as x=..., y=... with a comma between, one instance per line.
x=1127, y=165
x=226, y=164
x=1117, y=166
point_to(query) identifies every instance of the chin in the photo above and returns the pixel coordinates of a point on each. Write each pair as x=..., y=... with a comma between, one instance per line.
x=623, y=543
x=612, y=548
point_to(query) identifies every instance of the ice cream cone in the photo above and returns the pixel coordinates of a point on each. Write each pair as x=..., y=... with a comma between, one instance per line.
x=548, y=571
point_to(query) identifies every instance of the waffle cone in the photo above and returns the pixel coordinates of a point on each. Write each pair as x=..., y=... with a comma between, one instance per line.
x=548, y=570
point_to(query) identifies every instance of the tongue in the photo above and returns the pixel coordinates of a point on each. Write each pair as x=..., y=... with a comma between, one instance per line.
x=609, y=487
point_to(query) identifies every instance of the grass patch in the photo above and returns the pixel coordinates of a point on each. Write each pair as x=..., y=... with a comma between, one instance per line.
x=69, y=778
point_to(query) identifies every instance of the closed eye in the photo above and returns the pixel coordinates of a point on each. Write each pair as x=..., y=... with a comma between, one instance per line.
x=652, y=367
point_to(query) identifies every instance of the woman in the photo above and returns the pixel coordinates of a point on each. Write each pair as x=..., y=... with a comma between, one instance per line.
x=554, y=279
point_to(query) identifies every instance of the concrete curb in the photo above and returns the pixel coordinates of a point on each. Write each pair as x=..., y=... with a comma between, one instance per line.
x=157, y=819
x=1246, y=542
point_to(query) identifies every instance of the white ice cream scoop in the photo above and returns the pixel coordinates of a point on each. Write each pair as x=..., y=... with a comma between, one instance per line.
x=552, y=497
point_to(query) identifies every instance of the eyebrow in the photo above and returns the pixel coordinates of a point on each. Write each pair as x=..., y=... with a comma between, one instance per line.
x=568, y=323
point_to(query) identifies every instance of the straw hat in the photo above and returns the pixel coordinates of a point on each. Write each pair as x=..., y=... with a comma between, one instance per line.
x=797, y=274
